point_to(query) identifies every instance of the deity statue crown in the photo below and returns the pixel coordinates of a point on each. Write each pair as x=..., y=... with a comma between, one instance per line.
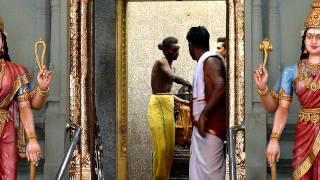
x=313, y=19
x=1, y=24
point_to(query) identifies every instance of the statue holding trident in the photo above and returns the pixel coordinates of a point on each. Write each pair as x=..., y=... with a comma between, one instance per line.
x=17, y=97
x=302, y=78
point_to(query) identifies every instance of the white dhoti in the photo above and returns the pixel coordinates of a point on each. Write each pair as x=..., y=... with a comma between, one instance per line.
x=207, y=154
x=207, y=160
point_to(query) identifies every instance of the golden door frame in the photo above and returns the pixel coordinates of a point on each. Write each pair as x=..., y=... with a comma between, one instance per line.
x=235, y=34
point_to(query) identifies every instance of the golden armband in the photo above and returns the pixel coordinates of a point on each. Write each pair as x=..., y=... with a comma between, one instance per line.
x=25, y=96
x=31, y=136
x=42, y=92
x=275, y=136
x=263, y=92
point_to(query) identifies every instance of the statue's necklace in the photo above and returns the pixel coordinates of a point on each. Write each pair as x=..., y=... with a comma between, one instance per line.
x=2, y=70
x=313, y=70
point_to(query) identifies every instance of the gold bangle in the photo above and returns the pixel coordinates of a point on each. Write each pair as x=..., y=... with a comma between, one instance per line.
x=42, y=92
x=263, y=92
x=31, y=136
x=275, y=136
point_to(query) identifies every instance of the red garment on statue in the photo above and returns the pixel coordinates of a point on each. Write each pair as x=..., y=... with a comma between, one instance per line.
x=8, y=152
x=14, y=77
x=306, y=134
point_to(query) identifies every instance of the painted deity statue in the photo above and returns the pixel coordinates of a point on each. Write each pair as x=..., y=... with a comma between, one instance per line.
x=16, y=100
x=303, y=78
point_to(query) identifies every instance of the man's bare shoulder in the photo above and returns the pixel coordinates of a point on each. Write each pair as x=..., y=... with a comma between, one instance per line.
x=214, y=61
x=213, y=58
x=161, y=62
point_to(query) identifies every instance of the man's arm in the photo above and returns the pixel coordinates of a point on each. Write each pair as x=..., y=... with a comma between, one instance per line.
x=169, y=72
x=214, y=70
x=179, y=100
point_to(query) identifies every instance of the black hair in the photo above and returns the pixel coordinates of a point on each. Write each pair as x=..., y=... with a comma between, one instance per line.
x=223, y=40
x=304, y=52
x=167, y=42
x=199, y=37
x=5, y=55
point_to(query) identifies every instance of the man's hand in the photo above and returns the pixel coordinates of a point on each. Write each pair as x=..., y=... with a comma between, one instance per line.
x=202, y=124
x=189, y=85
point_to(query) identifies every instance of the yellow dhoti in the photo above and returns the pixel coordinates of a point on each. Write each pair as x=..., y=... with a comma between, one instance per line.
x=161, y=122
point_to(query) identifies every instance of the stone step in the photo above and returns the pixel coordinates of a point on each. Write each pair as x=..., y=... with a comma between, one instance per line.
x=180, y=166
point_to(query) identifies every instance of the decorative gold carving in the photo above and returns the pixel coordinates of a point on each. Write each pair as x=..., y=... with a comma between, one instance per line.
x=275, y=136
x=235, y=22
x=265, y=46
x=313, y=19
x=25, y=96
x=42, y=92
x=122, y=90
x=263, y=92
x=4, y=118
x=284, y=96
x=307, y=163
x=2, y=68
x=312, y=85
x=80, y=61
x=21, y=80
x=309, y=115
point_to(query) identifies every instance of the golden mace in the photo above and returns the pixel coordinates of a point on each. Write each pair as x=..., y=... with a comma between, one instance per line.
x=32, y=171
x=274, y=171
x=39, y=61
x=265, y=46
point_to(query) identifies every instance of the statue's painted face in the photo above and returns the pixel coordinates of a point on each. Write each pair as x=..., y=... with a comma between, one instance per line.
x=313, y=41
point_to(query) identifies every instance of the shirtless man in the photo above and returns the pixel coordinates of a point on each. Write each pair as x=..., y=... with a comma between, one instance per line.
x=208, y=109
x=161, y=109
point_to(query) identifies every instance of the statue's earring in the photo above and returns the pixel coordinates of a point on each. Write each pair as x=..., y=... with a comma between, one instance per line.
x=305, y=51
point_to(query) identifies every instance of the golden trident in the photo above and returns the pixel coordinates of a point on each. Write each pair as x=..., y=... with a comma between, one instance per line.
x=265, y=46
x=40, y=62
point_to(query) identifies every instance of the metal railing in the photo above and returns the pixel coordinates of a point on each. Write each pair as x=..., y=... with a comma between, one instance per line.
x=231, y=149
x=72, y=146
